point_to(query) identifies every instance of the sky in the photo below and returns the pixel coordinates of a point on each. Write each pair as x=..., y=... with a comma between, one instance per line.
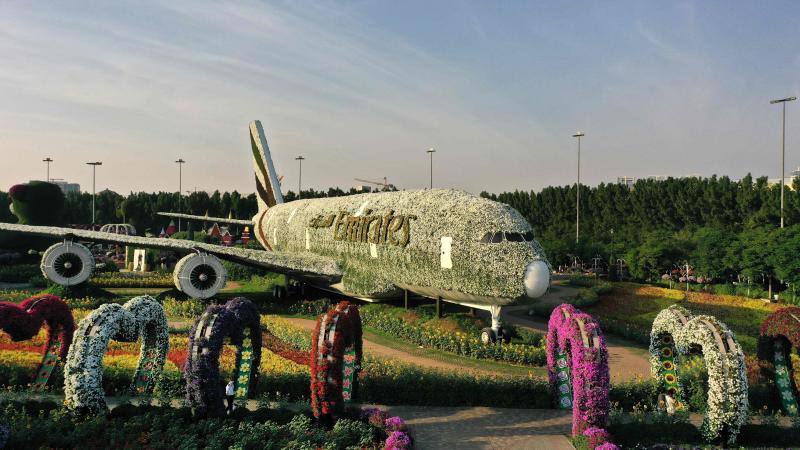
x=362, y=89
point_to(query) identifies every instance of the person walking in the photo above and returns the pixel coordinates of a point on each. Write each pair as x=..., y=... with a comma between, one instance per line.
x=230, y=390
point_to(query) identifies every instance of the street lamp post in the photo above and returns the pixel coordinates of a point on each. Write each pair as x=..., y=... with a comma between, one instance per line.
x=180, y=163
x=48, y=160
x=94, y=165
x=578, y=135
x=431, y=151
x=299, y=160
x=783, y=149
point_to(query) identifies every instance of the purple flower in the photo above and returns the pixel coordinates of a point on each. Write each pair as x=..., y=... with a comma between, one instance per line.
x=394, y=423
x=597, y=436
x=397, y=440
x=607, y=446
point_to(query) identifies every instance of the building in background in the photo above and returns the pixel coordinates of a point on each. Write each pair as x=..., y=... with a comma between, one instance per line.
x=65, y=185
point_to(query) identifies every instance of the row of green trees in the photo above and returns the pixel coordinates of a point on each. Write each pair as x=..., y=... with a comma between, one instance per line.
x=725, y=229
x=140, y=208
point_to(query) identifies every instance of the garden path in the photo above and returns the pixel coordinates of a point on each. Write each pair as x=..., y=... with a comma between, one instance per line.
x=627, y=360
x=389, y=352
x=486, y=428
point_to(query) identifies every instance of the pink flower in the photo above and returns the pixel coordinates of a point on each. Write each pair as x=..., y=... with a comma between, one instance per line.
x=397, y=440
x=394, y=423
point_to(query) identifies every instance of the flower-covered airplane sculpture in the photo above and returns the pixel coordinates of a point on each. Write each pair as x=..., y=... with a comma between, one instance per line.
x=442, y=244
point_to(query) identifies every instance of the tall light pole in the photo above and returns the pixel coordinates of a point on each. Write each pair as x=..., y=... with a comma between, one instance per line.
x=783, y=148
x=300, y=159
x=431, y=151
x=578, y=135
x=48, y=160
x=94, y=165
x=180, y=163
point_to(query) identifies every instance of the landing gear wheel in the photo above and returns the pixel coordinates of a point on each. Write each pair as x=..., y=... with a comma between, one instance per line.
x=505, y=335
x=487, y=336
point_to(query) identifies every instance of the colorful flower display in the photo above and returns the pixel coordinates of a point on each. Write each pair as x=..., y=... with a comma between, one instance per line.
x=577, y=365
x=237, y=321
x=335, y=360
x=780, y=332
x=23, y=321
x=675, y=328
x=83, y=372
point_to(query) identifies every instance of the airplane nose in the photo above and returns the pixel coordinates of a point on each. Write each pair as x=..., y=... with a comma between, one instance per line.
x=537, y=279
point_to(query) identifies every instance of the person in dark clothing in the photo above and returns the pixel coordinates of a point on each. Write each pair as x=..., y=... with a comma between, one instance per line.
x=230, y=390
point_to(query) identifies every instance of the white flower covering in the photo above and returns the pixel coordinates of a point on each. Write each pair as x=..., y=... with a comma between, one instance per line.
x=480, y=269
x=727, y=378
x=83, y=371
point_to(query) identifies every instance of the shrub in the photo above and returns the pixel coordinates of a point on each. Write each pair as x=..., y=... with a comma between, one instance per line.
x=19, y=273
x=239, y=272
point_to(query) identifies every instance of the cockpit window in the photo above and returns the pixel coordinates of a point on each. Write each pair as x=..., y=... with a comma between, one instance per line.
x=514, y=237
x=510, y=236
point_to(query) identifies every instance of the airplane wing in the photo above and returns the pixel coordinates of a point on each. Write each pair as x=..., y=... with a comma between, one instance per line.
x=206, y=218
x=302, y=264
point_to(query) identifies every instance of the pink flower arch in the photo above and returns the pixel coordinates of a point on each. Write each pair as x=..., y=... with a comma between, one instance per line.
x=579, y=337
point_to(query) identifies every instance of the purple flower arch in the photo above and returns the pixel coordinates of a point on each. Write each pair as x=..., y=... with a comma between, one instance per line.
x=579, y=336
x=237, y=320
x=23, y=321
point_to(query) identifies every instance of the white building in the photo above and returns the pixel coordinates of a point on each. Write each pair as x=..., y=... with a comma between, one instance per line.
x=65, y=185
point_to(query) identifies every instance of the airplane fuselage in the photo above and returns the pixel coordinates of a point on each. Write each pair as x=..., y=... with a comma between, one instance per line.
x=435, y=242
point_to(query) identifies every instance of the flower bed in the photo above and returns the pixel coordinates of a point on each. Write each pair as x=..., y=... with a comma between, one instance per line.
x=450, y=341
x=675, y=330
x=83, y=372
x=44, y=425
x=780, y=332
x=237, y=321
x=335, y=360
x=577, y=366
x=131, y=280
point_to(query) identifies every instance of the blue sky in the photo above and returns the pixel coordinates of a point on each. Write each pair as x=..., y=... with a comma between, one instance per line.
x=362, y=89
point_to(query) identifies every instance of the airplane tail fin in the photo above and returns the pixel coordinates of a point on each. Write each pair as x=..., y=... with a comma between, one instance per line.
x=268, y=186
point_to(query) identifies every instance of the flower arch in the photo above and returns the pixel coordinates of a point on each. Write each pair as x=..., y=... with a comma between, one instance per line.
x=23, y=322
x=577, y=365
x=676, y=329
x=780, y=332
x=239, y=322
x=83, y=372
x=336, y=352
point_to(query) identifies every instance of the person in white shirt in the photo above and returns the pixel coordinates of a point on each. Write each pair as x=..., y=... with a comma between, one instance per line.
x=230, y=390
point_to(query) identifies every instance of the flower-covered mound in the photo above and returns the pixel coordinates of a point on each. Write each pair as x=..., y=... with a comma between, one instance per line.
x=237, y=321
x=727, y=402
x=23, y=321
x=336, y=353
x=780, y=333
x=83, y=372
x=576, y=339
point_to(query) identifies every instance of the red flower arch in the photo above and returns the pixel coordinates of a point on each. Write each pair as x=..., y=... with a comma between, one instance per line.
x=336, y=351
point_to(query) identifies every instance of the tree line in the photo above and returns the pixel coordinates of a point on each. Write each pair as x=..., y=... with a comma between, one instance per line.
x=724, y=229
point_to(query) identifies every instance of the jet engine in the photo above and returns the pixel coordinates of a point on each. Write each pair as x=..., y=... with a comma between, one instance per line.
x=67, y=263
x=199, y=275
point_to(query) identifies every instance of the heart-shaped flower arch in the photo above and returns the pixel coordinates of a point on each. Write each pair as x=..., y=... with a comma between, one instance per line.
x=336, y=351
x=676, y=332
x=577, y=365
x=239, y=322
x=23, y=322
x=83, y=372
x=780, y=332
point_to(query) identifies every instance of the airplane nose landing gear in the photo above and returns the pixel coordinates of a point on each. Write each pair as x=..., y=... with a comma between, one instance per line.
x=495, y=332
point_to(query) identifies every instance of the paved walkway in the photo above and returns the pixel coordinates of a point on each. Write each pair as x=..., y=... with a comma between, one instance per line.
x=486, y=428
